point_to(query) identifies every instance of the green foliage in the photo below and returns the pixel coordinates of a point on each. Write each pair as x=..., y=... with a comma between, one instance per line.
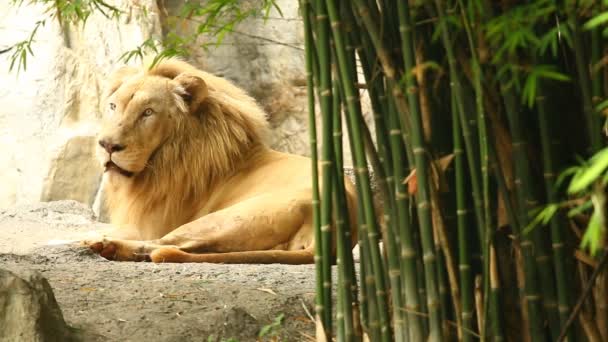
x=273, y=328
x=214, y=18
x=587, y=182
x=66, y=12
x=538, y=72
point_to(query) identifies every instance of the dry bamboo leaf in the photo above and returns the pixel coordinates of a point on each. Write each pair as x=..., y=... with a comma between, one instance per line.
x=320, y=331
x=585, y=258
x=307, y=337
x=365, y=337
x=438, y=167
x=266, y=290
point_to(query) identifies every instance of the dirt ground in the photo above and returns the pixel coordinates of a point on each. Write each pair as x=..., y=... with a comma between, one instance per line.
x=123, y=301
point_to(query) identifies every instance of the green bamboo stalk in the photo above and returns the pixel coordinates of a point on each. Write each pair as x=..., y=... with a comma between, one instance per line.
x=310, y=56
x=361, y=172
x=592, y=118
x=557, y=228
x=422, y=172
x=344, y=309
x=494, y=302
x=327, y=156
x=464, y=263
x=408, y=249
x=471, y=152
x=483, y=144
x=527, y=200
x=531, y=288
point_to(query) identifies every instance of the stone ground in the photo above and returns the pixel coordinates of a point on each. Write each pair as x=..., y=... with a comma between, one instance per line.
x=124, y=301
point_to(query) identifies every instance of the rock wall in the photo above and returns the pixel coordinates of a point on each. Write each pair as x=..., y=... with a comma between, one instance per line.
x=49, y=114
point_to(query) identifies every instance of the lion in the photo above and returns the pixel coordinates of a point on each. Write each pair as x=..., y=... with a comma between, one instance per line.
x=189, y=177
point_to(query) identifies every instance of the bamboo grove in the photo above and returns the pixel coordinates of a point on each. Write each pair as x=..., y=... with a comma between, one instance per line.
x=476, y=108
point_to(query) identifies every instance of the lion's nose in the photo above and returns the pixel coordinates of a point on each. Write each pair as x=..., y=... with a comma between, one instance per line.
x=109, y=147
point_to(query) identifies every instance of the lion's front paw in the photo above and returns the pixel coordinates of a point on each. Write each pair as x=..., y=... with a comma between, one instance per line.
x=120, y=250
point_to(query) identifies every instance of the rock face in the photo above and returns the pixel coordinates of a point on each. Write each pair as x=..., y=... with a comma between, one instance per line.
x=49, y=113
x=28, y=309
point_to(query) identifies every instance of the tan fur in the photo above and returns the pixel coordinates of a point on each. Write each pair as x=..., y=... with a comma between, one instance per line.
x=200, y=176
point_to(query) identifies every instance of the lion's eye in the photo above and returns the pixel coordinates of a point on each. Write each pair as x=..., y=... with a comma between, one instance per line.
x=112, y=106
x=148, y=112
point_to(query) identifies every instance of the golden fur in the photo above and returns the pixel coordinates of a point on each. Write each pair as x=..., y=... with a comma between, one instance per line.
x=190, y=178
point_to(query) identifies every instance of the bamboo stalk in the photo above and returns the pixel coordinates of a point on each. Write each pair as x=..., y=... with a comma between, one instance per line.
x=532, y=294
x=361, y=172
x=327, y=156
x=471, y=152
x=591, y=116
x=310, y=56
x=343, y=236
x=494, y=302
x=464, y=263
x=557, y=228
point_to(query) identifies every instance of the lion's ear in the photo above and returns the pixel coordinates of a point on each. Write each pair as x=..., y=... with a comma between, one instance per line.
x=117, y=78
x=192, y=89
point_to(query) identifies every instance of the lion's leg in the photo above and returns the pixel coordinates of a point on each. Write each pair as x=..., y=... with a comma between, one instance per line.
x=260, y=223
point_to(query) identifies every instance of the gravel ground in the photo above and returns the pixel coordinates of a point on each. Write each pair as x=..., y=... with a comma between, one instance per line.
x=125, y=301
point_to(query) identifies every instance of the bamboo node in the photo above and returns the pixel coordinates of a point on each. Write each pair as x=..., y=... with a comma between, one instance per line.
x=408, y=253
x=395, y=132
x=464, y=267
x=542, y=258
x=458, y=151
x=428, y=257
x=361, y=170
x=321, y=16
x=424, y=205
x=337, y=134
x=394, y=273
x=327, y=284
x=462, y=212
x=401, y=195
x=557, y=245
x=326, y=92
x=325, y=228
x=317, y=258
x=419, y=150
x=335, y=24
x=532, y=297
x=316, y=202
x=526, y=243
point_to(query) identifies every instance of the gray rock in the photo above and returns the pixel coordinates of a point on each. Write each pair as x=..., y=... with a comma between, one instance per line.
x=28, y=309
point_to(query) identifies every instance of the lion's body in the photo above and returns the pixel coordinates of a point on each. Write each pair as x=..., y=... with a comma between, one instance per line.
x=192, y=179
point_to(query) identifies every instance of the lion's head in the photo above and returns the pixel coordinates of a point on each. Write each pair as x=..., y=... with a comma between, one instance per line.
x=169, y=133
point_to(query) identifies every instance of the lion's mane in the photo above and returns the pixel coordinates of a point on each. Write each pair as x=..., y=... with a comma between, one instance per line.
x=207, y=147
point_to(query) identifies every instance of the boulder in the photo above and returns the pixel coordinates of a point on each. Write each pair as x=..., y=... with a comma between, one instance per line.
x=28, y=309
x=74, y=174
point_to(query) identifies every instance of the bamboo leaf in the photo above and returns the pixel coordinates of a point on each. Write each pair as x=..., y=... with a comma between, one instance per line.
x=596, y=21
x=593, y=235
x=543, y=217
x=581, y=180
x=580, y=208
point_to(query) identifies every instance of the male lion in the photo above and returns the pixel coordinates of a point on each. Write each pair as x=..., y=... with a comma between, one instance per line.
x=189, y=178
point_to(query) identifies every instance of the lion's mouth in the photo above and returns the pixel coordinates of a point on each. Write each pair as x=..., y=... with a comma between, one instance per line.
x=111, y=166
